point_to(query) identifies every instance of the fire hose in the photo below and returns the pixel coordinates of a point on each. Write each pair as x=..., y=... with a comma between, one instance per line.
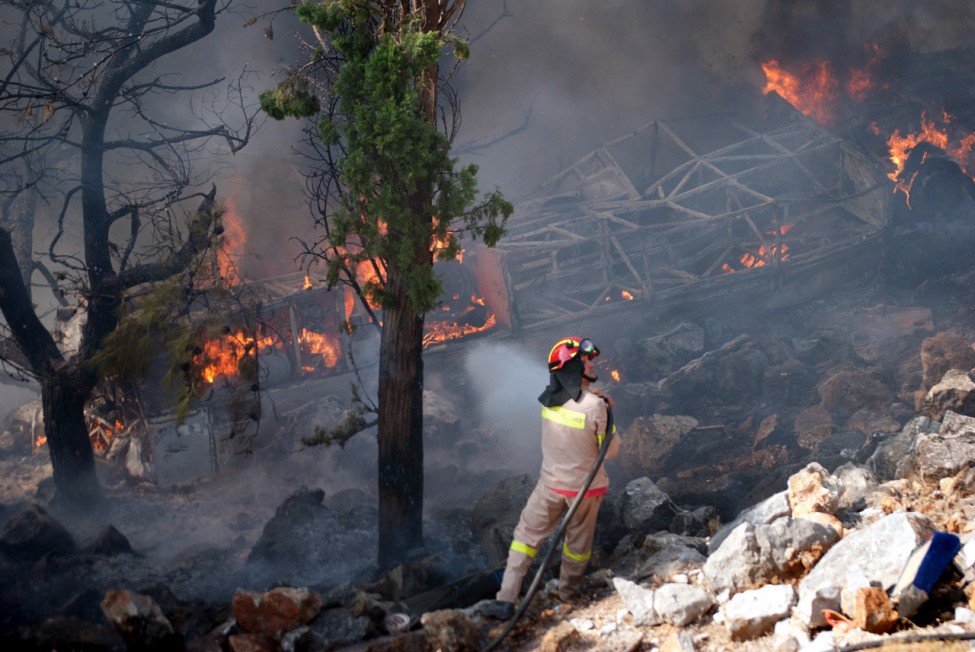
x=566, y=519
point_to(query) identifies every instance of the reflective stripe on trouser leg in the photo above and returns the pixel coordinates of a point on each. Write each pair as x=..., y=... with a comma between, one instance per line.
x=577, y=548
x=539, y=517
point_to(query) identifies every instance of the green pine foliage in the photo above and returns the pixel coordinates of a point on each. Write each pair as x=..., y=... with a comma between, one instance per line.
x=401, y=190
x=169, y=317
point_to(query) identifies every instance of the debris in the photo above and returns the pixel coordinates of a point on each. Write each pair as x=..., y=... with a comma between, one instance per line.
x=922, y=570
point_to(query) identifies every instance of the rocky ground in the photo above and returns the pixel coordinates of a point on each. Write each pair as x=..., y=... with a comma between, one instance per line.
x=716, y=416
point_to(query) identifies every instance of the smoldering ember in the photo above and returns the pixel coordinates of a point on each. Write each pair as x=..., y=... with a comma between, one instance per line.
x=785, y=304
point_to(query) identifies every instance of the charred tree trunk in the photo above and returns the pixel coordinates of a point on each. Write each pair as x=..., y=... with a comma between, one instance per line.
x=400, y=428
x=65, y=387
x=18, y=218
x=63, y=398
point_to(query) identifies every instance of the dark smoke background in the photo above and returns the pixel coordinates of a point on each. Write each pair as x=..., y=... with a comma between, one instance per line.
x=586, y=72
x=549, y=80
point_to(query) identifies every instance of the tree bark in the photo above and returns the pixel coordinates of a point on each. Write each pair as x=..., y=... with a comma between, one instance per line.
x=65, y=387
x=400, y=428
x=400, y=391
x=72, y=460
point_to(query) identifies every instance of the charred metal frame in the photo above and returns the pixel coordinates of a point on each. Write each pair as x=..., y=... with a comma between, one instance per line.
x=589, y=234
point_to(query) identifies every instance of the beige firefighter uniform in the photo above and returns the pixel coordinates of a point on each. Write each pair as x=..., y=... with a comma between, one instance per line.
x=571, y=436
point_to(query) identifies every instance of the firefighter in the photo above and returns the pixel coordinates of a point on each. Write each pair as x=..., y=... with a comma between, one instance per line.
x=574, y=418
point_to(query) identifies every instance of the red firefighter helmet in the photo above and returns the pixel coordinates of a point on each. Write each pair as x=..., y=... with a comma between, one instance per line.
x=568, y=348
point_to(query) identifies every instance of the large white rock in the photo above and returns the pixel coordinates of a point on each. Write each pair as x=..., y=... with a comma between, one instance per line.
x=677, y=604
x=756, y=554
x=751, y=614
x=877, y=553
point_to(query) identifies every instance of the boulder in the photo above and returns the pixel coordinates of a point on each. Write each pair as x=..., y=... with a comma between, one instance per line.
x=772, y=508
x=952, y=448
x=757, y=554
x=337, y=627
x=139, y=621
x=657, y=555
x=813, y=426
x=276, y=612
x=789, y=383
x=31, y=534
x=868, y=421
x=648, y=440
x=111, y=542
x=731, y=373
x=814, y=494
x=644, y=508
x=955, y=392
x=307, y=544
x=664, y=353
x=942, y=352
x=893, y=457
x=855, y=483
x=676, y=604
x=846, y=392
x=280, y=539
x=451, y=630
x=496, y=514
x=751, y=614
x=875, y=553
x=558, y=638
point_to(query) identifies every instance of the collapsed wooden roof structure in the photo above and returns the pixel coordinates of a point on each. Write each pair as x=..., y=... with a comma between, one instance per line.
x=690, y=214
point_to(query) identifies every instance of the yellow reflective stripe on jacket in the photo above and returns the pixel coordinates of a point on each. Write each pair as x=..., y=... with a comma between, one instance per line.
x=565, y=417
x=524, y=549
x=573, y=556
x=601, y=437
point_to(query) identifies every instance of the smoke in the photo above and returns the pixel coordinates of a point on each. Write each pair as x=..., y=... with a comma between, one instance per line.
x=506, y=379
x=562, y=77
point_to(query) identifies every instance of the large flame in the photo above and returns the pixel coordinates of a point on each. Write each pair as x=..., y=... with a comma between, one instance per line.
x=815, y=87
x=436, y=331
x=327, y=347
x=443, y=331
x=934, y=132
x=813, y=90
x=222, y=356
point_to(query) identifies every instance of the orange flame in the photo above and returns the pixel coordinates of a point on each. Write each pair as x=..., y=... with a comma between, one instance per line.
x=615, y=374
x=814, y=88
x=900, y=146
x=763, y=255
x=438, y=332
x=327, y=347
x=222, y=356
x=440, y=244
x=813, y=91
x=100, y=433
